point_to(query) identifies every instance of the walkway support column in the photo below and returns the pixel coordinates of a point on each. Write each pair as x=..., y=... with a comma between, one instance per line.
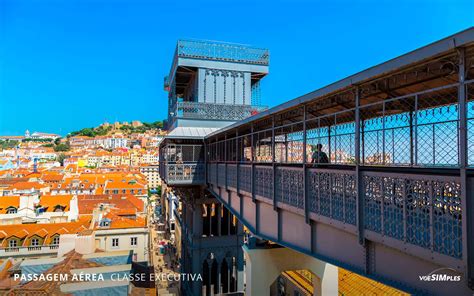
x=238, y=159
x=226, y=156
x=253, y=164
x=274, y=164
x=466, y=198
x=358, y=181
x=305, y=169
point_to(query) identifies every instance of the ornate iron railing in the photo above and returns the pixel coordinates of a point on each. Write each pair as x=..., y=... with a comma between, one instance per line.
x=422, y=210
x=182, y=163
x=208, y=111
x=183, y=173
x=5, y=252
x=211, y=50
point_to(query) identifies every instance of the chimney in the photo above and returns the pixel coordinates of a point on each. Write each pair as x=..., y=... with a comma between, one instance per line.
x=85, y=242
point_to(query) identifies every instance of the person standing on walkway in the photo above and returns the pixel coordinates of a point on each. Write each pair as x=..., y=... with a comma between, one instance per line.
x=319, y=156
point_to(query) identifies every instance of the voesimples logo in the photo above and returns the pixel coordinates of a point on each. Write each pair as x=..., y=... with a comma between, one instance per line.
x=441, y=275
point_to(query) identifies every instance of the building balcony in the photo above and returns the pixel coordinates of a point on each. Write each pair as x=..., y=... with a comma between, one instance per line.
x=182, y=164
x=210, y=111
x=28, y=251
x=183, y=173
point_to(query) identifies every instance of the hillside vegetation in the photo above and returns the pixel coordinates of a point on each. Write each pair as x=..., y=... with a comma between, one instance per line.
x=126, y=129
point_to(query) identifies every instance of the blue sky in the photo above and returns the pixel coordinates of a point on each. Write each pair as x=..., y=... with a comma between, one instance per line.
x=68, y=64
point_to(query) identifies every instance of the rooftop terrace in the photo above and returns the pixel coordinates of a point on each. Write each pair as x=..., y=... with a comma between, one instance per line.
x=220, y=51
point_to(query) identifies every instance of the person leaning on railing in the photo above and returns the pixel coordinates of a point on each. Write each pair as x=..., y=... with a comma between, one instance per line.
x=319, y=156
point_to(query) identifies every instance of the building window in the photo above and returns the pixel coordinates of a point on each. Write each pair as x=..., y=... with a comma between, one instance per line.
x=55, y=240
x=34, y=242
x=123, y=191
x=11, y=210
x=59, y=208
x=133, y=241
x=12, y=243
x=115, y=243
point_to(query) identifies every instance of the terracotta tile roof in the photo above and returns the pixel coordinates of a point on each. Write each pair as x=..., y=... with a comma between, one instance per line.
x=116, y=184
x=51, y=177
x=118, y=222
x=27, y=185
x=33, y=175
x=5, y=173
x=9, y=201
x=43, y=230
x=51, y=201
x=7, y=182
x=87, y=203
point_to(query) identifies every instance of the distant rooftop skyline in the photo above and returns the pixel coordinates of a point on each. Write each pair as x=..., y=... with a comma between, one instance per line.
x=67, y=65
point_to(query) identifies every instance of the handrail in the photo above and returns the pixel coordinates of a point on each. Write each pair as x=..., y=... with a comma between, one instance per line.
x=212, y=50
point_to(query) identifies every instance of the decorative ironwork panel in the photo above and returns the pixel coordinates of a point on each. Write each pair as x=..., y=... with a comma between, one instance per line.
x=221, y=175
x=313, y=191
x=192, y=172
x=433, y=206
x=325, y=194
x=245, y=178
x=337, y=196
x=264, y=181
x=332, y=194
x=232, y=175
x=418, y=212
x=447, y=218
x=373, y=203
x=393, y=203
x=350, y=198
x=208, y=111
x=290, y=186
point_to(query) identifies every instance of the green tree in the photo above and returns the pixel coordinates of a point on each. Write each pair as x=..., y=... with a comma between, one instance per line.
x=60, y=158
x=88, y=132
x=8, y=144
x=62, y=147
